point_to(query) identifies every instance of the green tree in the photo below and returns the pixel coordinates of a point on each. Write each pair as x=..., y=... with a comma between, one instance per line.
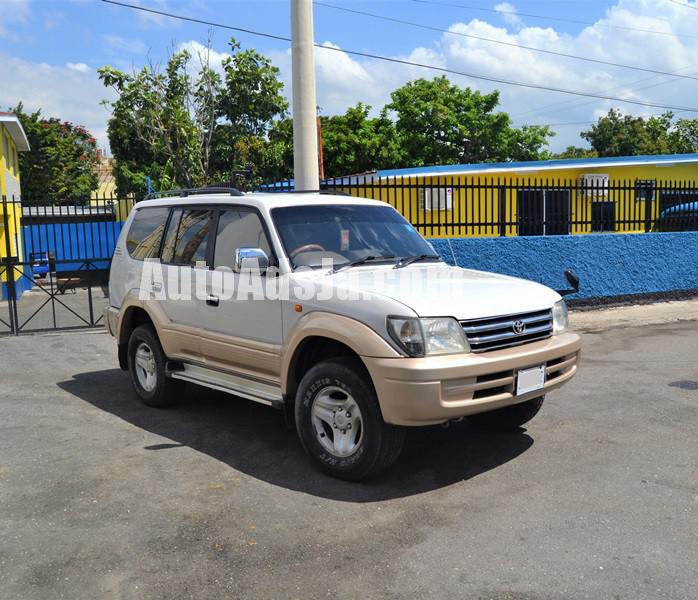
x=187, y=130
x=250, y=106
x=355, y=143
x=61, y=165
x=625, y=135
x=684, y=136
x=576, y=152
x=438, y=122
x=162, y=124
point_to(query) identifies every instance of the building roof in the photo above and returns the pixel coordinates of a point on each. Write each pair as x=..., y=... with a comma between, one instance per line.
x=543, y=165
x=16, y=131
x=263, y=201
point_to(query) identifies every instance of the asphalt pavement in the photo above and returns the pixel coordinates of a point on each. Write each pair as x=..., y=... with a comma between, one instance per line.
x=101, y=497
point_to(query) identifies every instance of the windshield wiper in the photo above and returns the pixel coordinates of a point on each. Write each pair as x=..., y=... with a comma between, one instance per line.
x=359, y=261
x=408, y=260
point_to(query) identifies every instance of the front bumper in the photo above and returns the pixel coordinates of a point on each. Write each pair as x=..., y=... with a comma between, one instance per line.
x=434, y=389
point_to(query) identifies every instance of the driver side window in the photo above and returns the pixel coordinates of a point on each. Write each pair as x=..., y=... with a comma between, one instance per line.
x=238, y=228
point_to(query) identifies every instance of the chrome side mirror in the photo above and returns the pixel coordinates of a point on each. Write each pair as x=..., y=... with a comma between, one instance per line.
x=250, y=259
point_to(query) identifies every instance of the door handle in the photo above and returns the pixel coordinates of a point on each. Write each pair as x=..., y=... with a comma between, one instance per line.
x=157, y=286
x=212, y=300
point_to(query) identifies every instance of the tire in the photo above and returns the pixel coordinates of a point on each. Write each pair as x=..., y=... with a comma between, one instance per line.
x=146, y=365
x=339, y=392
x=509, y=418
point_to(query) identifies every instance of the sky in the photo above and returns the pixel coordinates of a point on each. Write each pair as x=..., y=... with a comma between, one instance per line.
x=50, y=50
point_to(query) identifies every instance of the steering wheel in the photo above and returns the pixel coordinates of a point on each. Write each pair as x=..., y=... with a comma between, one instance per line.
x=306, y=248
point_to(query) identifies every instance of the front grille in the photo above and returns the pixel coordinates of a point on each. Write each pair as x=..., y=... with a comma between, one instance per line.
x=493, y=333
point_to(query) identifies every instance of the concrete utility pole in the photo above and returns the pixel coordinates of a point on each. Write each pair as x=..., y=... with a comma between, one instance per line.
x=305, y=156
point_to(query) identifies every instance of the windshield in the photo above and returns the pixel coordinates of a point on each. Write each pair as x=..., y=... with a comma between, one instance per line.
x=346, y=233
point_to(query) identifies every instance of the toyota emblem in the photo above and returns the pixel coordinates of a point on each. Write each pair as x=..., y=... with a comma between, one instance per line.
x=518, y=327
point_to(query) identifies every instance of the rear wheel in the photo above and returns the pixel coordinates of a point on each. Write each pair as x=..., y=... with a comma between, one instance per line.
x=509, y=418
x=340, y=424
x=147, y=367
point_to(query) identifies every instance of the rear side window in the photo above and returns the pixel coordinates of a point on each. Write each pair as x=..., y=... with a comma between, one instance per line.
x=238, y=228
x=145, y=233
x=187, y=237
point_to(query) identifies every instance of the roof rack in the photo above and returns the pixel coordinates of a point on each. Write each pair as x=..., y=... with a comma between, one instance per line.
x=183, y=193
x=322, y=192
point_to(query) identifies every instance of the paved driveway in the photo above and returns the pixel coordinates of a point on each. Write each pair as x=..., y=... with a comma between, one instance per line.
x=101, y=497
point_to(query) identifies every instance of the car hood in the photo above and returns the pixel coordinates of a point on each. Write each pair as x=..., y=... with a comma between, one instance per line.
x=442, y=290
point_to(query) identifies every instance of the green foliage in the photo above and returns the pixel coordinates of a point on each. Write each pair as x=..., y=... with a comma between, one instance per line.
x=576, y=152
x=188, y=131
x=625, y=135
x=159, y=124
x=185, y=130
x=62, y=162
x=438, y=122
x=684, y=136
x=354, y=142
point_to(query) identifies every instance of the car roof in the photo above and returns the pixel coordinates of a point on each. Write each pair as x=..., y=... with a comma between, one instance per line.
x=262, y=201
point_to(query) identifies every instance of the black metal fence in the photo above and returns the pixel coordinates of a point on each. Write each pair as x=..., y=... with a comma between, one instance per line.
x=54, y=262
x=457, y=207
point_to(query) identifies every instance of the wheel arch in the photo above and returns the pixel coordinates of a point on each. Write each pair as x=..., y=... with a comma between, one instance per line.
x=318, y=336
x=132, y=316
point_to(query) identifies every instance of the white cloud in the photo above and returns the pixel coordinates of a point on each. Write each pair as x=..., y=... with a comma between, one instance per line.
x=12, y=11
x=148, y=19
x=59, y=91
x=508, y=12
x=201, y=54
x=79, y=67
x=342, y=80
x=74, y=93
x=122, y=44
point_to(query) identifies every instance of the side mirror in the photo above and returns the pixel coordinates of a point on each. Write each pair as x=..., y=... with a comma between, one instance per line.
x=573, y=280
x=250, y=259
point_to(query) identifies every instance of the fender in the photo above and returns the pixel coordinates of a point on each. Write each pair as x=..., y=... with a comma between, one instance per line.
x=179, y=342
x=130, y=302
x=363, y=340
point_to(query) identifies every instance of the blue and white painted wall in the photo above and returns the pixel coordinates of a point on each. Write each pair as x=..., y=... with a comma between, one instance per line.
x=607, y=264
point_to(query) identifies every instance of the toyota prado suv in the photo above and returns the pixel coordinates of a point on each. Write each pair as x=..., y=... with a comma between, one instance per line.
x=333, y=309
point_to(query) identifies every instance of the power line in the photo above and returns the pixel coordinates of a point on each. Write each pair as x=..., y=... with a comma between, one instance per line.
x=684, y=4
x=533, y=86
x=501, y=42
x=565, y=105
x=562, y=19
x=673, y=76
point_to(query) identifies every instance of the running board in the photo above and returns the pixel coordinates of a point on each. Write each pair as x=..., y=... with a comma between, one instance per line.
x=236, y=385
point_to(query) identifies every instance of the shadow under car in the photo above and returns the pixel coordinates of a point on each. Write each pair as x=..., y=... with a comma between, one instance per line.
x=253, y=439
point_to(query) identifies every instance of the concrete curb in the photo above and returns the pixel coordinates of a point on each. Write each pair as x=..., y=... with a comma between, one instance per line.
x=602, y=319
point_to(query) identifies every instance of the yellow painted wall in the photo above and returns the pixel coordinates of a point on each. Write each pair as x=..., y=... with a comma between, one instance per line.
x=9, y=164
x=480, y=205
x=10, y=212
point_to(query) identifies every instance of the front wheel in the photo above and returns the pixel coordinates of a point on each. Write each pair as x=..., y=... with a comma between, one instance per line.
x=509, y=418
x=340, y=424
x=146, y=365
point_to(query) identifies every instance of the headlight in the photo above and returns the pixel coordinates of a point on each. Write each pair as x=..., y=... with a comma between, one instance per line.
x=422, y=337
x=560, y=320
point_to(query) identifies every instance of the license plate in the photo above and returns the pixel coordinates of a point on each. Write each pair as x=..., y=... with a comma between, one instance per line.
x=530, y=380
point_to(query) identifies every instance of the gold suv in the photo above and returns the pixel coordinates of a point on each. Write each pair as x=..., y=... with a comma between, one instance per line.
x=333, y=309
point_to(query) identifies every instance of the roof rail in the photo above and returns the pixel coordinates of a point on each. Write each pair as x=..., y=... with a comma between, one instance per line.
x=322, y=192
x=183, y=193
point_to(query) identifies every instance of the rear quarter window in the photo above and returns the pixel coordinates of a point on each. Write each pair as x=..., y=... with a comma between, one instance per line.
x=144, y=235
